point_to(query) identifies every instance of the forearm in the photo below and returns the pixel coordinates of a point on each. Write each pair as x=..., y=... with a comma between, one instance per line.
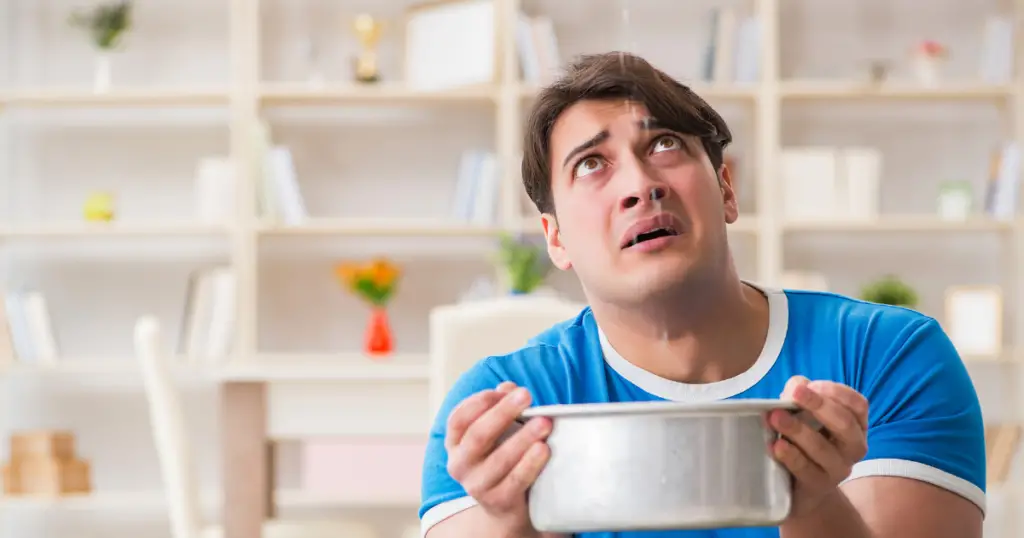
x=835, y=518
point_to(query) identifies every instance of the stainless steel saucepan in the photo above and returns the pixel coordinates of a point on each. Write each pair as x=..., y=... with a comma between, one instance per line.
x=659, y=465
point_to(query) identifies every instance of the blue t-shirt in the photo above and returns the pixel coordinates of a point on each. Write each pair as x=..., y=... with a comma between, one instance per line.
x=925, y=418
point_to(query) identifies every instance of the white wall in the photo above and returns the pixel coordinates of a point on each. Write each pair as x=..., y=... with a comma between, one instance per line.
x=397, y=162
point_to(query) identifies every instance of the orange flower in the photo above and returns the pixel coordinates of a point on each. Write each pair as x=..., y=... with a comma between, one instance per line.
x=348, y=273
x=382, y=273
x=374, y=281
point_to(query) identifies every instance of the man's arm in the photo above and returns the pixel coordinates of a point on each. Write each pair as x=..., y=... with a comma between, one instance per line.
x=924, y=473
x=883, y=507
x=473, y=438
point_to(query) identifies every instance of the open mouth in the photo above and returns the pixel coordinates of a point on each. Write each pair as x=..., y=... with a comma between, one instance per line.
x=656, y=233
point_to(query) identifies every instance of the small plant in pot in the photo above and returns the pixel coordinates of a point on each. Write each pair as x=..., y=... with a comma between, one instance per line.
x=890, y=290
x=524, y=265
x=106, y=25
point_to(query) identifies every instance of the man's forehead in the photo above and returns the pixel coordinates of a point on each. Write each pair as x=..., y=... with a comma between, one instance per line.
x=601, y=114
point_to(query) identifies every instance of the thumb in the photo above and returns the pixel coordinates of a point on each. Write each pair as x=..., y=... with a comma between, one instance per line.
x=791, y=385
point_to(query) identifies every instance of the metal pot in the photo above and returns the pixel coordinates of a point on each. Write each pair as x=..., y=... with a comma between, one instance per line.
x=659, y=465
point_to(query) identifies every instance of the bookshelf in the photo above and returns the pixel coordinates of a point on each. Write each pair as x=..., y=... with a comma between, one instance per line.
x=246, y=76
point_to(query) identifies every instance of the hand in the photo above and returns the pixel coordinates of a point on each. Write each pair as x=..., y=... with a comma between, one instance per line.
x=820, y=459
x=496, y=472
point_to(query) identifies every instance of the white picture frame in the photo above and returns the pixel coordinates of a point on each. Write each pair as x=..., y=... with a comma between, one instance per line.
x=451, y=44
x=974, y=319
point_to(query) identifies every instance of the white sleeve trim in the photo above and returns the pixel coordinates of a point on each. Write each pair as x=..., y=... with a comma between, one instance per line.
x=444, y=511
x=922, y=472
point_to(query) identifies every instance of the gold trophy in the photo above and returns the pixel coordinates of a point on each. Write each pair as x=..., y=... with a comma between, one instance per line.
x=368, y=32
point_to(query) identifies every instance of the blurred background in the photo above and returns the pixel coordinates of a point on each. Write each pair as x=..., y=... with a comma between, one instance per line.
x=235, y=172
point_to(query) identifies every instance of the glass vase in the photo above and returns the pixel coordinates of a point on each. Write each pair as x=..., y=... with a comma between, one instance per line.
x=101, y=72
x=380, y=341
x=928, y=70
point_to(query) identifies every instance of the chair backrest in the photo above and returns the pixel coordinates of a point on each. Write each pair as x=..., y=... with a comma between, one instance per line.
x=463, y=334
x=170, y=435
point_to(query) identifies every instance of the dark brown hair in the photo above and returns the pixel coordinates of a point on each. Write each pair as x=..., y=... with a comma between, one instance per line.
x=615, y=75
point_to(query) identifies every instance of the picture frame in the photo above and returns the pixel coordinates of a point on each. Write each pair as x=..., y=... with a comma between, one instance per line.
x=974, y=319
x=451, y=44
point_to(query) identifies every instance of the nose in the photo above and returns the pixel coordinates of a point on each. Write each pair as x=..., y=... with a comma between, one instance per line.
x=650, y=194
x=639, y=187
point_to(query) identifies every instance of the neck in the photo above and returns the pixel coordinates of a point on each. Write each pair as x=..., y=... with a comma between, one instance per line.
x=703, y=332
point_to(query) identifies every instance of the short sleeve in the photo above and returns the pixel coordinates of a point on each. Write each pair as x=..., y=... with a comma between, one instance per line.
x=925, y=418
x=442, y=496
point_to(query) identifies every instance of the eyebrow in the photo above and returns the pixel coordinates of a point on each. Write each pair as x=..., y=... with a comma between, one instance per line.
x=646, y=124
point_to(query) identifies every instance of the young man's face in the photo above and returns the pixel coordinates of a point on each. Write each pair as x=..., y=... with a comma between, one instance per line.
x=638, y=207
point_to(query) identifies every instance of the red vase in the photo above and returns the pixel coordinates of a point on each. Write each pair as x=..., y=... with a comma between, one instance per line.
x=379, y=340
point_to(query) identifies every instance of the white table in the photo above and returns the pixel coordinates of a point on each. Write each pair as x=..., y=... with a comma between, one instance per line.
x=267, y=401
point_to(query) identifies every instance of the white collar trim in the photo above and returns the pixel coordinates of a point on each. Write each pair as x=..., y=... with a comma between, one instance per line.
x=778, y=324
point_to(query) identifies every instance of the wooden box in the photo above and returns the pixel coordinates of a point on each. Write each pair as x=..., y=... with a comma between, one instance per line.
x=46, y=476
x=58, y=445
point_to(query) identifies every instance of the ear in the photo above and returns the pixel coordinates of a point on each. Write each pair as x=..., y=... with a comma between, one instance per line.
x=729, y=201
x=553, y=238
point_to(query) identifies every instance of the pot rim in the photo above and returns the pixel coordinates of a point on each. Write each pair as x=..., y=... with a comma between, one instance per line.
x=723, y=407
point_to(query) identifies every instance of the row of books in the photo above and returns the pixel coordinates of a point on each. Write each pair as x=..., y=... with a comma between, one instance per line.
x=827, y=183
x=539, y=57
x=732, y=54
x=278, y=194
x=27, y=332
x=209, y=318
x=26, y=329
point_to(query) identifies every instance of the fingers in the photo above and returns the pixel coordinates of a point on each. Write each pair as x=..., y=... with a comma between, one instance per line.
x=511, y=465
x=799, y=465
x=843, y=426
x=821, y=457
x=481, y=433
x=466, y=412
x=791, y=385
x=505, y=387
x=813, y=447
x=520, y=478
x=851, y=399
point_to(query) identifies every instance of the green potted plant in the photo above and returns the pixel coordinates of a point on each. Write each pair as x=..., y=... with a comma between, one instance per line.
x=524, y=265
x=890, y=290
x=106, y=25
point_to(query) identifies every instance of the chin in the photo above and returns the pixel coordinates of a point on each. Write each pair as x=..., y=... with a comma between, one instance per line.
x=656, y=277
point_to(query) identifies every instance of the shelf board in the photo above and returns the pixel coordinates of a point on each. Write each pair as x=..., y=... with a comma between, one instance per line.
x=854, y=90
x=90, y=366
x=297, y=94
x=156, y=500
x=906, y=223
x=265, y=367
x=136, y=97
x=381, y=227
x=401, y=367
x=111, y=229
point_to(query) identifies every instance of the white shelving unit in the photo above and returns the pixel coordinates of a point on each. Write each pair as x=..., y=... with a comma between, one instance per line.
x=249, y=95
x=247, y=99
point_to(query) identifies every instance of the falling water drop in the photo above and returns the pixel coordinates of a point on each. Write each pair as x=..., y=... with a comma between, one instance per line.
x=628, y=47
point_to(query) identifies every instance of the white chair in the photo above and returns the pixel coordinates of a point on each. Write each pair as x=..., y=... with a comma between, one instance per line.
x=462, y=334
x=175, y=456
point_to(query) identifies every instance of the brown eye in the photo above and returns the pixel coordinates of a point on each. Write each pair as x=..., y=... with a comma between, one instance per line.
x=588, y=166
x=666, y=143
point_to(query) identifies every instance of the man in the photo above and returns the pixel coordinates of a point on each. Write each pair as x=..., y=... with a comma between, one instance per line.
x=626, y=167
